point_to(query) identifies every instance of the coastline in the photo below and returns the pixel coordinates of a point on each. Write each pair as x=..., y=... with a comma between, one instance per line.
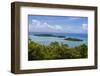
x=45, y=39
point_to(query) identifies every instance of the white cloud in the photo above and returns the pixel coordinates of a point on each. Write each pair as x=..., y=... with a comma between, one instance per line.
x=85, y=27
x=74, y=18
x=57, y=27
x=41, y=26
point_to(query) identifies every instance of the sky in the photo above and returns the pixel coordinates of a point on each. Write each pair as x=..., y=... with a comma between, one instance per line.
x=57, y=24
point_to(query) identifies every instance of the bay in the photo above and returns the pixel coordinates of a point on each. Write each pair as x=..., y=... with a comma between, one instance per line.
x=47, y=40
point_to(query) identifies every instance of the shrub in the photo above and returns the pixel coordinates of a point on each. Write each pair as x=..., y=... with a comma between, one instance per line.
x=55, y=50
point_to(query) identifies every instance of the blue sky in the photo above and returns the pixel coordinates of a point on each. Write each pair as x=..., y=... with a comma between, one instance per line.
x=58, y=24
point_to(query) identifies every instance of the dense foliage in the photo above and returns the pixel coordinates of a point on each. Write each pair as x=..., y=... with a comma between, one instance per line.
x=73, y=39
x=55, y=51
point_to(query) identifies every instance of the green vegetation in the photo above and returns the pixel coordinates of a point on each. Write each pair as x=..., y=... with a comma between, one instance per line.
x=55, y=51
x=73, y=39
x=49, y=35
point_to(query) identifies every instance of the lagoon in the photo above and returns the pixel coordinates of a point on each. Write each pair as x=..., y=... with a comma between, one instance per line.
x=47, y=40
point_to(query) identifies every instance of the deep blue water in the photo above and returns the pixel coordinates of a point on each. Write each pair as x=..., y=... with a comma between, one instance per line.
x=47, y=40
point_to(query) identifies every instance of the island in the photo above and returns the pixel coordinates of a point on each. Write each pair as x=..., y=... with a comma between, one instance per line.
x=73, y=39
x=49, y=35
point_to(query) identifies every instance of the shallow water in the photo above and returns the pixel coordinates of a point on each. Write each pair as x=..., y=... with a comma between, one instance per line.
x=47, y=40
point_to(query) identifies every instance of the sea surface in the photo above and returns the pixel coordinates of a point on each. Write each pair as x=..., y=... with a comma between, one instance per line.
x=47, y=40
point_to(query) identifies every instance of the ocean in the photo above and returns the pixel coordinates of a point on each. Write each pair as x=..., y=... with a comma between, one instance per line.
x=47, y=40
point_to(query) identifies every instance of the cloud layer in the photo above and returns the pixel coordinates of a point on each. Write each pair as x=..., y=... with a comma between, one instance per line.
x=43, y=26
x=39, y=26
x=85, y=27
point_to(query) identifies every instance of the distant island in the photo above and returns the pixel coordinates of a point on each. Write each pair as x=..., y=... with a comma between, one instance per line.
x=49, y=35
x=73, y=39
x=59, y=36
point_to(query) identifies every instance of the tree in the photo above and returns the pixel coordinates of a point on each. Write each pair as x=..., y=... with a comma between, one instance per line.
x=55, y=51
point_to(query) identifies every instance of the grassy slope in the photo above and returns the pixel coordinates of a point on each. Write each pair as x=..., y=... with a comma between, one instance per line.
x=55, y=51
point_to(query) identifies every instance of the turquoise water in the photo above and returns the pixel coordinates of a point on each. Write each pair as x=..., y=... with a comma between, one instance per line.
x=47, y=40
